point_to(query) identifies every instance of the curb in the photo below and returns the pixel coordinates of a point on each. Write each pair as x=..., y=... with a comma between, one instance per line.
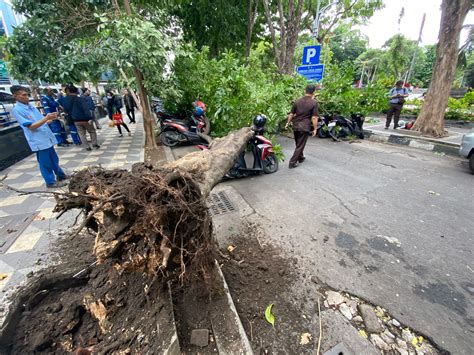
x=413, y=142
x=168, y=154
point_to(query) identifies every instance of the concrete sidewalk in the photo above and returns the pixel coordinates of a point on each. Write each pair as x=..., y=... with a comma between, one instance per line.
x=28, y=227
x=448, y=145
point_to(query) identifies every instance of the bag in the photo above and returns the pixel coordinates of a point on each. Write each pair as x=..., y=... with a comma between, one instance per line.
x=117, y=118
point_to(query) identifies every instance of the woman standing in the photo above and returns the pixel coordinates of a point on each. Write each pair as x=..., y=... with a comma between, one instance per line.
x=114, y=104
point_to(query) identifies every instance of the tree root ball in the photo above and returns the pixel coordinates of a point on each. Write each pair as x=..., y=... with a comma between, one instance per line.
x=149, y=219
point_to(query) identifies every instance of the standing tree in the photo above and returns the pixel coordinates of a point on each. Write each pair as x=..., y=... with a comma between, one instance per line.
x=287, y=18
x=71, y=41
x=431, y=119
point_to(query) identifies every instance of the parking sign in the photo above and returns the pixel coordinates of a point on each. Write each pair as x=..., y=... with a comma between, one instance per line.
x=311, y=55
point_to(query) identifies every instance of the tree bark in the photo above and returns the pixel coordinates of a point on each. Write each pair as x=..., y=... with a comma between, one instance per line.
x=289, y=24
x=148, y=121
x=251, y=18
x=430, y=121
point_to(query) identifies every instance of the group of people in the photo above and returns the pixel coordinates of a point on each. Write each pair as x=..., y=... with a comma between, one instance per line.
x=43, y=132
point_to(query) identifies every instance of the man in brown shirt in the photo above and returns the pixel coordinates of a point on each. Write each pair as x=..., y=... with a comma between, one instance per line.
x=304, y=110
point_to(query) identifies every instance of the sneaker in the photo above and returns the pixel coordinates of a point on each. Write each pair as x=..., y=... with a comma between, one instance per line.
x=129, y=134
x=57, y=184
x=293, y=166
x=63, y=178
x=120, y=135
x=89, y=149
x=302, y=159
x=96, y=146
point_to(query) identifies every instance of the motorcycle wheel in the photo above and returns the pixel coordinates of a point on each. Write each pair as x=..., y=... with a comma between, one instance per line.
x=322, y=133
x=169, y=138
x=334, y=132
x=270, y=164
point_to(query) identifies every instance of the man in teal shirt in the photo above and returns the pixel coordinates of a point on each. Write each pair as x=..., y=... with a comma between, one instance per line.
x=39, y=136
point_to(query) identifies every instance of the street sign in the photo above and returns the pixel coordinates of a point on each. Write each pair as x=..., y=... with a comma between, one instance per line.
x=311, y=72
x=311, y=55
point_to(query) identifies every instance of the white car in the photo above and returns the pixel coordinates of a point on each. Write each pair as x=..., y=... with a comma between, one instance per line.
x=467, y=149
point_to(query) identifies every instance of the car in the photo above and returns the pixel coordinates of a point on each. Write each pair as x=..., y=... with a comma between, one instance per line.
x=467, y=149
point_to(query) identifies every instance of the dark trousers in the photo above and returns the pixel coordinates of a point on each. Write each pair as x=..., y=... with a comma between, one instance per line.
x=300, y=140
x=124, y=126
x=131, y=114
x=395, y=110
x=49, y=165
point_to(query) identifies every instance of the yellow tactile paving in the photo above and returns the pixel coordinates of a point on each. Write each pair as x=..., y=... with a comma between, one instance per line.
x=25, y=242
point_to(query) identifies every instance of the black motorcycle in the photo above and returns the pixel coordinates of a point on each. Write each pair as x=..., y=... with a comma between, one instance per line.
x=342, y=127
x=323, y=126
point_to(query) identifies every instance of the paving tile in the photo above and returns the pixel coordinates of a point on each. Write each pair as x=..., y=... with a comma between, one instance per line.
x=25, y=242
x=32, y=184
x=12, y=200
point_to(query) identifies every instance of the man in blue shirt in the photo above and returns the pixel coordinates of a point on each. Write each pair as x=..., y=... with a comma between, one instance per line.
x=50, y=105
x=397, y=99
x=39, y=136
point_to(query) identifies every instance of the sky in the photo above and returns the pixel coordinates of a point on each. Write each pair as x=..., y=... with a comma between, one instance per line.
x=384, y=23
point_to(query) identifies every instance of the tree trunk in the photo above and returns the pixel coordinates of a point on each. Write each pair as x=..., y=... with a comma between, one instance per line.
x=155, y=219
x=284, y=49
x=148, y=121
x=251, y=17
x=430, y=121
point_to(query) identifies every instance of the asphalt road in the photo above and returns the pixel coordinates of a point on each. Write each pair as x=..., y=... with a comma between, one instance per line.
x=391, y=224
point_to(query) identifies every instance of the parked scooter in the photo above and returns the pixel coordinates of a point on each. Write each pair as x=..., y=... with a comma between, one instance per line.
x=175, y=131
x=323, y=126
x=342, y=127
x=264, y=159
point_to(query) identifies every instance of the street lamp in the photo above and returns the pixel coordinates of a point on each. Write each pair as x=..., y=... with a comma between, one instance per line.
x=318, y=18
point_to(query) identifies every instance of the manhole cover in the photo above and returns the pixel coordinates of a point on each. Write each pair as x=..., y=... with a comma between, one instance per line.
x=11, y=228
x=220, y=204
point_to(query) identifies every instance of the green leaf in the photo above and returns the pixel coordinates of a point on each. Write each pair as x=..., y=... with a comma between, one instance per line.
x=269, y=316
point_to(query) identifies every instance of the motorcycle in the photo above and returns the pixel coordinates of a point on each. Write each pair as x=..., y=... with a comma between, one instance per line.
x=174, y=131
x=323, y=130
x=264, y=159
x=342, y=127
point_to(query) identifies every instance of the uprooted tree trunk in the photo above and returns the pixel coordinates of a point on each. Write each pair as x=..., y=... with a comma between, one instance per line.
x=155, y=219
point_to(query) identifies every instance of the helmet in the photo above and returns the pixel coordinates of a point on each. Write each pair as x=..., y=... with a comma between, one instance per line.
x=260, y=120
x=198, y=111
x=200, y=104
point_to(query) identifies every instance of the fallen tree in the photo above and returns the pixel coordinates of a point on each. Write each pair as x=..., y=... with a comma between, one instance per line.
x=151, y=225
x=153, y=219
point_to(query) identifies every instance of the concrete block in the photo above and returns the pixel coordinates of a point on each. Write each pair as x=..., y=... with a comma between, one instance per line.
x=421, y=145
x=200, y=337
x=370, y=319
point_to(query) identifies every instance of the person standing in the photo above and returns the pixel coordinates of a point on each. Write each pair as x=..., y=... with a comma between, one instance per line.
x=39, y=136
x=130, y=105
x=76, y=107
x=86, y=93
x=70, y=123
x=114, y=105
x=304, y=111
x=397, y=99
x=49, y=106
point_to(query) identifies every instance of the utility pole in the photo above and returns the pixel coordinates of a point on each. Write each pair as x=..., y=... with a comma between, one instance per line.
x=317, y=19
x=412, y=64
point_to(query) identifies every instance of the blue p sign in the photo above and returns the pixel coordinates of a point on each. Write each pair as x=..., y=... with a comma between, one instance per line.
x=311, y=55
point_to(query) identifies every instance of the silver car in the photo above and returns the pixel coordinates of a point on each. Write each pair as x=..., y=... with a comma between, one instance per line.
x=467, y=149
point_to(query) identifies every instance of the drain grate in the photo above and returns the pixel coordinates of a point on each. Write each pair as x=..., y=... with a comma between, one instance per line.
x=220, y=204
x=11, y=228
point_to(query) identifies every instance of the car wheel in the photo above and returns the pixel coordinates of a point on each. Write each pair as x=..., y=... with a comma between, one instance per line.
x=471, y=163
